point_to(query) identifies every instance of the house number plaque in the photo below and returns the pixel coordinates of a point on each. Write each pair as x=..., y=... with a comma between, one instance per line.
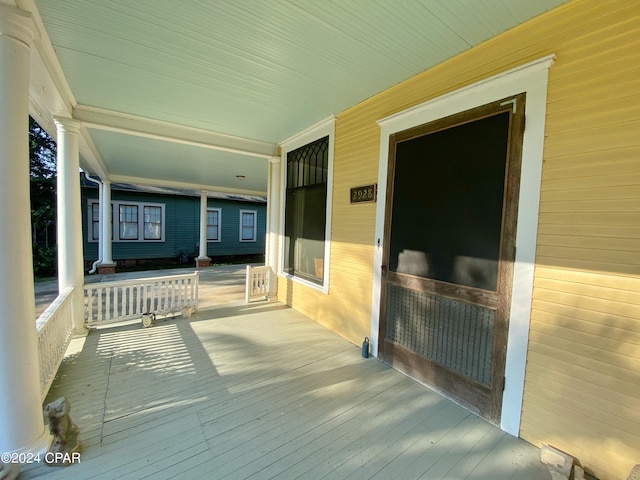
x=365, y=194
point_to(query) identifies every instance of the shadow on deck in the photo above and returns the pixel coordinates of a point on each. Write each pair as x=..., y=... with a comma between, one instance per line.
x=260, y=391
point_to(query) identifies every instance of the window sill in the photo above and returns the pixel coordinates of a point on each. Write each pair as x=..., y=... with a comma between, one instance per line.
x=320, y=288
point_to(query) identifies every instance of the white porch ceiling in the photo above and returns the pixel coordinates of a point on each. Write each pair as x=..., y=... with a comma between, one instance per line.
x=197, y=92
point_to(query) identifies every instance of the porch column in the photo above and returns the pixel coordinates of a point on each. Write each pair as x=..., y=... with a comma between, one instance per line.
x=273, y=228
x=70, y=258
x=107, y=265
x=21, y=424
x=203, y=260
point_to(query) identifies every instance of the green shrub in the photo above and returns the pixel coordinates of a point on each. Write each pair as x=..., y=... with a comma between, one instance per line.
x=45, y=260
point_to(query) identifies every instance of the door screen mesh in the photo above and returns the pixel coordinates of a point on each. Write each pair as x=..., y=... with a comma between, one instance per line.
x=453, y=334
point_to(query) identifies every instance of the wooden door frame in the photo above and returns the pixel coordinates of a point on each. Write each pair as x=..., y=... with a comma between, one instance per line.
x=530, y=78
x=484, y=399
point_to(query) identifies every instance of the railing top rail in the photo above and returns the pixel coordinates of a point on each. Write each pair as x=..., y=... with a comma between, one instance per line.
x=140, y=281
x=52, y=309
x=262, y=267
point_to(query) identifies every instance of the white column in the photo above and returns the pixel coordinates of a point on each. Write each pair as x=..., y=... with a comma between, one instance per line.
x=21, y=424
x=273, y=227
x=90, y=227
x=69, y=225
x=202, y=254
x=106, y=224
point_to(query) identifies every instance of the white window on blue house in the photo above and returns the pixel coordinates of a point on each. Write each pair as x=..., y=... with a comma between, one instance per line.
x=214, y=216
x=128, y=222
x=131, y=221
x=95, y=222
x=248, y=225
x=152, y=223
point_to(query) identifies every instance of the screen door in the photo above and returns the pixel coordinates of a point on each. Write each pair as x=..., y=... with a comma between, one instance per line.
x=450, y=224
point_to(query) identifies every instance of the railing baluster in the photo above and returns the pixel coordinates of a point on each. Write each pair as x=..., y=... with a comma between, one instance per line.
x=100, y=304
x=88, y=301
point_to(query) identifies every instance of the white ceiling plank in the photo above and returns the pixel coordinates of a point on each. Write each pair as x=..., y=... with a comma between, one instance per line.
x=142, y=156
x=236, y=78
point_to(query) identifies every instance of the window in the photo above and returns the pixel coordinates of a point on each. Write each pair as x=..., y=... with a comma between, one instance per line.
x=131, y=221
x=213, y=224
x=307, y=171
x=152, y=223
x=248, y=225
x=128, y=222
x=95, y=221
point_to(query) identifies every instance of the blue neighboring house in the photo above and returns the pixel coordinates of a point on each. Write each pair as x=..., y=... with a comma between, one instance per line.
x=156, y=225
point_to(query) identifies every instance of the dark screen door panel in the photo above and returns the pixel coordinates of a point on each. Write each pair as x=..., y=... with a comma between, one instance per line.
x=447, y=207
x=449, y=243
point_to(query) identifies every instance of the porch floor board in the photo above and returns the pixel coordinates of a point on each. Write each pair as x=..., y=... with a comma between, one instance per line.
x=260, y=391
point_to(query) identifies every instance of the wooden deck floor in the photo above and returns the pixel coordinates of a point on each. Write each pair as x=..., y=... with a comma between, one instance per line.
x=262, y=392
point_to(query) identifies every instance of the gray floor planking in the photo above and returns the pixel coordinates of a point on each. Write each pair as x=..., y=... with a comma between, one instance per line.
x=260, y=391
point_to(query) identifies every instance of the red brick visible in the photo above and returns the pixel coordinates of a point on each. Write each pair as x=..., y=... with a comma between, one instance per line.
x=108, y=270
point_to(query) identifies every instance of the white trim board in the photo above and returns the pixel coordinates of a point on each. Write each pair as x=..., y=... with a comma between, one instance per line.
x=532, y=79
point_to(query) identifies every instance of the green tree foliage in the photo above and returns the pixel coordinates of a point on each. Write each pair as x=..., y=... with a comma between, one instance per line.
x=42, y=157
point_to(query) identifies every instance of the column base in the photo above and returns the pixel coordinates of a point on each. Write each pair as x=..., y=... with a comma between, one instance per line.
x=203, y=262
x=106, y=268
x=10, y=471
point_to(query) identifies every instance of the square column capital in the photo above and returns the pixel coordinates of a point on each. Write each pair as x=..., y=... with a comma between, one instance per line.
x=67, y=125
x=17, y=24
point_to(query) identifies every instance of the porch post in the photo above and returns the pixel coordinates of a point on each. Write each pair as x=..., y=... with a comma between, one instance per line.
x=203, y=260
x=107, y=265
x=273, y=229
x=70, y=258
x=21, y=424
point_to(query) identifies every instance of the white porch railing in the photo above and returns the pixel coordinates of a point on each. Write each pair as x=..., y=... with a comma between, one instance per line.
x=111, y=302
x=53, y=328
x=257, y=283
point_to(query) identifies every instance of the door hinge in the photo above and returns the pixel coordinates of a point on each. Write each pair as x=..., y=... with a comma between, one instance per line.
x=504, y=383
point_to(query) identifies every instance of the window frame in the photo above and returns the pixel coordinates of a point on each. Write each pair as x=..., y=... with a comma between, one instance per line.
x=115, y=221
x=254, y=236
x=324, y=128
x=219, y=226
x=137, y=221
x=144, y=222
x=93, y=222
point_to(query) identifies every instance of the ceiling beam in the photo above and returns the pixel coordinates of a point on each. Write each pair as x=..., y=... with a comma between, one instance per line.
x=94, y=117
x=190, y=186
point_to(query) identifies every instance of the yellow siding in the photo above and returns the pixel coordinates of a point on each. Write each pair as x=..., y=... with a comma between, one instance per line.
x=582, y=391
